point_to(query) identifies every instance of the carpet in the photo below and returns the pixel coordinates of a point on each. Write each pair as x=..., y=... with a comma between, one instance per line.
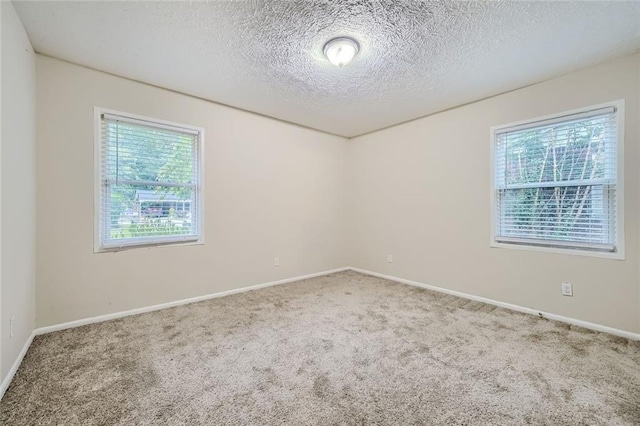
x=345, y=348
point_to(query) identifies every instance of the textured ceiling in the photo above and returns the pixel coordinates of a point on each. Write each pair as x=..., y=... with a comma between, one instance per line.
x=416, y=57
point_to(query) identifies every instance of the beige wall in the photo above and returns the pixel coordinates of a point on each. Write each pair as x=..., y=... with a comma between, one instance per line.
x=420, y=191
x=271, y=189
x=17, y=188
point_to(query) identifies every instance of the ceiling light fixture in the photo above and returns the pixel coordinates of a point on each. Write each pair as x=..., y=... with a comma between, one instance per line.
x=340, y=51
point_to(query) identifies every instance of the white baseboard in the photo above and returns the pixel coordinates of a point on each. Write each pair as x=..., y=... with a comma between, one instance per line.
x=548, y=315
x=57, y=327
x=122, y=314
x=115, y=315
x=16, y=364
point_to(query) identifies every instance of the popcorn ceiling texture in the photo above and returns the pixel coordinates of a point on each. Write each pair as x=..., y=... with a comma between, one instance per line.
x=392, y=37
x=416, y=57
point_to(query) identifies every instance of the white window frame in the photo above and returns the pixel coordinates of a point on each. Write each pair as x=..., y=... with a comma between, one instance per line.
x=619, y=253
x=99, y=245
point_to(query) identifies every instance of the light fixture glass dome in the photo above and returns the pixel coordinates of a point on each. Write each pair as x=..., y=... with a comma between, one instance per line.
x=340, y=51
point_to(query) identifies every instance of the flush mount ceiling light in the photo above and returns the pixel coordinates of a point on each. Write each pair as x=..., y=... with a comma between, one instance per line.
x=340, y=51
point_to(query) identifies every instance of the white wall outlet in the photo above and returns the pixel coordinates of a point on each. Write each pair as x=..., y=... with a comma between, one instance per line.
x=567, y=289
x=389, y=258
x=276, y=261
x=11, y=321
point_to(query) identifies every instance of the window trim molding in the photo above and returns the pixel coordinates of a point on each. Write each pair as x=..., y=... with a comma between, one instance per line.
x=619, y=254
x=163, y=241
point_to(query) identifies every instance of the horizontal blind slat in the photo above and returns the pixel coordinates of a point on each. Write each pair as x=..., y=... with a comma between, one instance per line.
x=556, y=180
x=107, y=117
x=149, y=191
x=566, y=119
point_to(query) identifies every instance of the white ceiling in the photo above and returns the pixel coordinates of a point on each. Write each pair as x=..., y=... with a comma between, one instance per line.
x=416, y=57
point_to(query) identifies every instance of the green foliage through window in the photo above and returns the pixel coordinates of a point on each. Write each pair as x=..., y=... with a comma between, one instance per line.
x=148, y=180
x=557, y=181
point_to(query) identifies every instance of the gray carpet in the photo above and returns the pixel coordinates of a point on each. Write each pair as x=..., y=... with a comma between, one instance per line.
x=341, y=349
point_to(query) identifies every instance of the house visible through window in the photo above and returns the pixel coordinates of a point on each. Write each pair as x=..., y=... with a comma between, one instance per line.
x=148, y=189
x=556, y=181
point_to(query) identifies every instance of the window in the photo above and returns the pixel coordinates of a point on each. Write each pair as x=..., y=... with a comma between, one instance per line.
x=148, y=181
x=557, y=182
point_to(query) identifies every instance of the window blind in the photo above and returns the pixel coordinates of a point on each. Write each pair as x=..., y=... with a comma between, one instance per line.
x=149, y=182
x=555, y=182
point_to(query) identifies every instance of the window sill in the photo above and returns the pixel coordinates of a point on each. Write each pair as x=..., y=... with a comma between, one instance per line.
x=557, y=250
x=147, y=245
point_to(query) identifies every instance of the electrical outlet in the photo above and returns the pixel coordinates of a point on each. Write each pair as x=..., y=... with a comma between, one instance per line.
x=276, y=261
x=11, y=321
x=567, y=289
x=389, y=258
